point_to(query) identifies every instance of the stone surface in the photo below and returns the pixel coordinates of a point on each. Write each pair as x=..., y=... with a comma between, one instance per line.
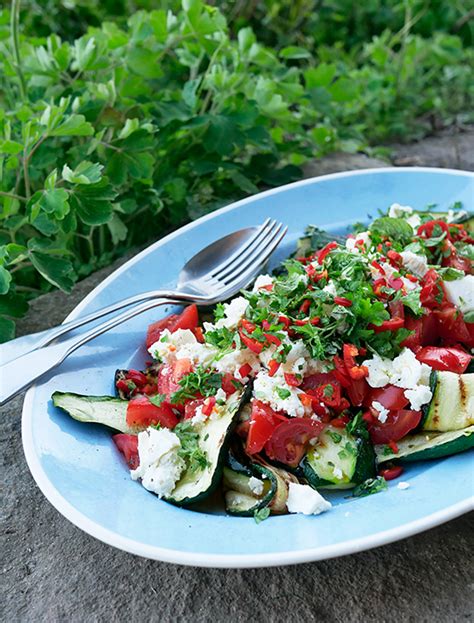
x=51, y=571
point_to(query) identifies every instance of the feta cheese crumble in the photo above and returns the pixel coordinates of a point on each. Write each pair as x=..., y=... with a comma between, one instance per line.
x=398, y=211
x=256, y=486
x=160, y=465
x=261, y=281
x=404, y=371
x=233, y=314
x=352, y=244
x=304, y=499
x=461, y=293
x=403, y=485
x=382, y=411
x=275, y=391
x=414, y=263
x=181, y=344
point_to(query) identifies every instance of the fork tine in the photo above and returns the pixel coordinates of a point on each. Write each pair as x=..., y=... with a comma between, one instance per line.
x=243, y=278
x=242, y=260
x=261, y=231
x=261, y=250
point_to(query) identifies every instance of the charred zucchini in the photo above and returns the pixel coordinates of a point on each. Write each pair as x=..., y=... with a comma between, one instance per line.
x=452, y=405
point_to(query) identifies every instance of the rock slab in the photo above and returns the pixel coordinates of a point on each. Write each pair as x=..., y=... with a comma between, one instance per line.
x=53, y=572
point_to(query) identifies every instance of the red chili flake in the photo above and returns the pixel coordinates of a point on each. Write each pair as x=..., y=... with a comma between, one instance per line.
x=378, y=266
x=248, y=326
x=273, y=339
x=208, y=405
x=340, y=422
x=393, y=447
x=273, y=367
x=284, y=321
x=292, y=380
x=265, y=325
x=325, y=250
x=391, y=473
x=315, y=321
x=341, y=300
x=411, y=277
x=305, y=305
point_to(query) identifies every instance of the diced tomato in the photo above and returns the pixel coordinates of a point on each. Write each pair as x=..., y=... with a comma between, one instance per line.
x=458, y=262
x=284, y=321
x=273, y=367
x=398, y=424
x=390, y=473
x=416, y=326
x=128, y=446
x=229, y=384
x=390, y=396
x=394, y=257
x=251, y=343
x=433, y=294
x=245, y=370
x=451, y=325
x=187, y=319
x=137, y=377
x=353, y=370
x=191, y=407
x=426, y=230
x=263, y=421
x=169, y=376
x=340, y=422
x=316, y=380
x=292, y=380
x=289, y=440
x=450, y=359
x=356, y=391
x=141, y=412
x=325, y=250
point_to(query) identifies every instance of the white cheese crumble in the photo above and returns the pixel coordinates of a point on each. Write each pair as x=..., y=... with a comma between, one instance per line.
x=266, y=388
x=330, y=288
x=261, y=281
x=233, y=361
x=398, y=211
x=404, y=371
x=382, y=411
x=452, y=215
x=233, y=313
x=363, y=236
x=304, y=499
x=160, y=465
x=403, y=485
x=256, y=486
x=461, y=293
x=181, y=344
x=414, y=263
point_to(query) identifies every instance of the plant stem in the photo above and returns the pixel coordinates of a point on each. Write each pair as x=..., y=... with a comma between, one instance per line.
x=12, y=196
x=15, y=39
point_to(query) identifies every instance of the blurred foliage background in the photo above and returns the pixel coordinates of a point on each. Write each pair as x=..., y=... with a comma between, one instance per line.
x=121, y=120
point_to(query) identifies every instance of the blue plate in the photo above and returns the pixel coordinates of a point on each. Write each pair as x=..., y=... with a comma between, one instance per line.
x=80, y=472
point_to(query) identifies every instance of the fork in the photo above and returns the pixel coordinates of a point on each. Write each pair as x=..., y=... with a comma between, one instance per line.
x=226, y=279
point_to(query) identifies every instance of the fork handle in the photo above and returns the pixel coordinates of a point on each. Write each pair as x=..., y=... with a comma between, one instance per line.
x=21, y=372
x=25, y=344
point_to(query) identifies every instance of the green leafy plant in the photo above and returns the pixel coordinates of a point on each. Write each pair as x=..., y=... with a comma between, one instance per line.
x=118, y=125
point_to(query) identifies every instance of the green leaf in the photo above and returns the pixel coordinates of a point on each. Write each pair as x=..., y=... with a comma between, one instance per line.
x=393, y=228
x=294, y=52
x=10, y=147
x=143, y=63
x=261, y=514
x=369, y=487
x=13, y=305
x=85, y=173
x=56, y=269
x=7, y=330
x=5, y=280
x=93, y=202
x=51, y=201
x=131, y=125
x=73, y=125
x=117, y=228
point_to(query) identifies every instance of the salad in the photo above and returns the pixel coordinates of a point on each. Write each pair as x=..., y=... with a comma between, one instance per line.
x=353, y=358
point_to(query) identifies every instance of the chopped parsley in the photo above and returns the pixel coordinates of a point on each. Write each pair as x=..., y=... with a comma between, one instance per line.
x=198, y=382
x=261, y=514
x=191, y=452
x=369, y=487
x=282, y=392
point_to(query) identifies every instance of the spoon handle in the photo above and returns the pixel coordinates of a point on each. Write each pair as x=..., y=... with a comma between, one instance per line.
x=20, y=346
x=21, y=372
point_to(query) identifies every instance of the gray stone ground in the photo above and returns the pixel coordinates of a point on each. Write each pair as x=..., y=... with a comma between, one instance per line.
x=51, y=571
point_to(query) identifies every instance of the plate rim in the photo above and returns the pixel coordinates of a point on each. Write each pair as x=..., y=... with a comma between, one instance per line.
x=228, y=560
